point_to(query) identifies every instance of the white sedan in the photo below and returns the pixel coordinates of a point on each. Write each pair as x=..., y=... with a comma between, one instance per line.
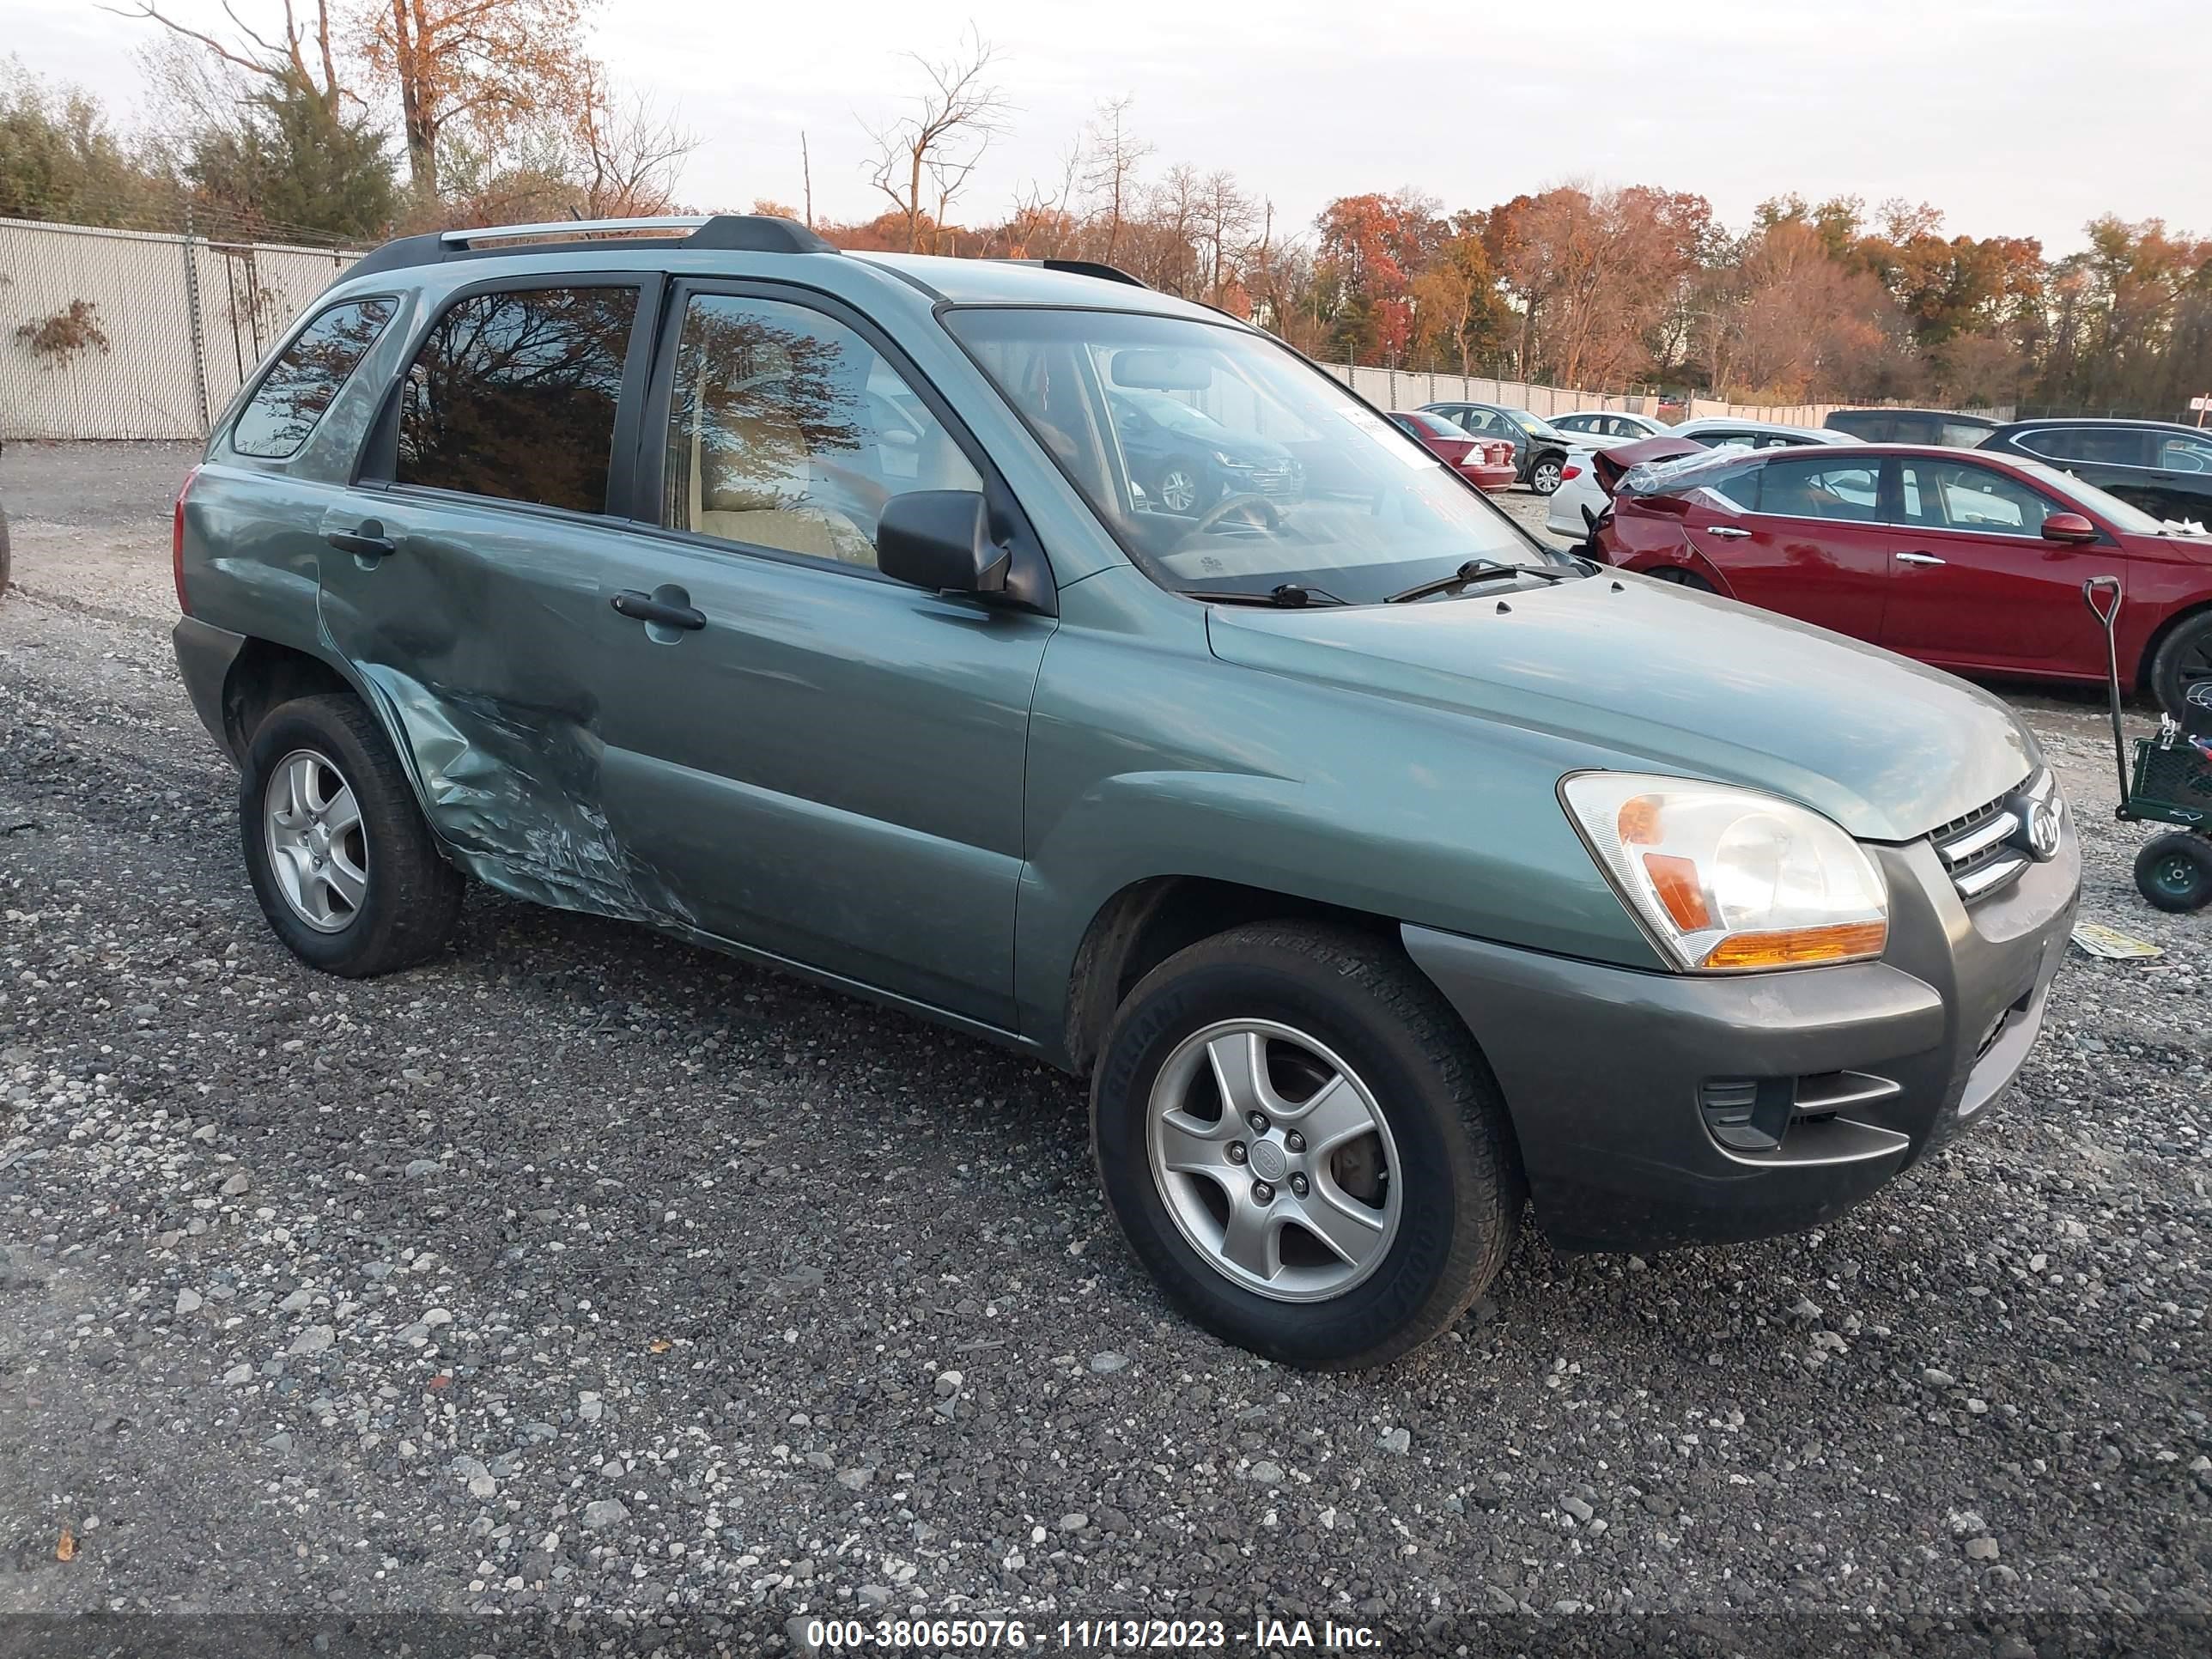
x=1578, y=487
x=1614, y=424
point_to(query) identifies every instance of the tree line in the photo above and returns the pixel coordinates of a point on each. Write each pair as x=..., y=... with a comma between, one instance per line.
x=394, y=115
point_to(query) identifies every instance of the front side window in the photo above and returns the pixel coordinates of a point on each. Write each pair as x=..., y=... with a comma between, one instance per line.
x=788, y=430
x=514, y=395
x=1271, y=473
x=1947, y=496
x=303, y=382
x=2177, y=453
x=1802, y=488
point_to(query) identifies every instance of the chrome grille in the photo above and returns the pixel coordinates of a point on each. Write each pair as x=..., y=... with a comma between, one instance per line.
x=1982, y=851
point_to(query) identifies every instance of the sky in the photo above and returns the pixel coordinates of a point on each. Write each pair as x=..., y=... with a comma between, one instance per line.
x=2014, y=116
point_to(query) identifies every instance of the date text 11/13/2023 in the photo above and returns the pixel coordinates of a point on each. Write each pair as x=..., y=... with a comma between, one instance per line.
x=1118, y=1634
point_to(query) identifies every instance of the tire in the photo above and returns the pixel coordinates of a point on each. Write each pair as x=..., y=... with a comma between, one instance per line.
x=2174, y=872
x=1675, y=574
x=387, y=898
x=2183, y=660
x=1436, y=1226
x=1544, y=476
x=1185, y=482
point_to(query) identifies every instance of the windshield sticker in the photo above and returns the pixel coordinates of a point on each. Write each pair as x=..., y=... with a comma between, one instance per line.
x=1402, y=449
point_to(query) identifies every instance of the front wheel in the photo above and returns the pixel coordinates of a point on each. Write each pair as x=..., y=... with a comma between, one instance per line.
x=1183, y=489
x=1544, y=476
x=1301, y=1143
x=344, y=868
x=2182, y=669
x=2174, y=872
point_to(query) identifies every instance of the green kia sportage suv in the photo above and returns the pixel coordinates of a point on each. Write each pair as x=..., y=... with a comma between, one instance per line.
x=1384, y=869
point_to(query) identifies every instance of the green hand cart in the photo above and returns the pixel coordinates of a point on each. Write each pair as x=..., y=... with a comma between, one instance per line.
x=2171, y=780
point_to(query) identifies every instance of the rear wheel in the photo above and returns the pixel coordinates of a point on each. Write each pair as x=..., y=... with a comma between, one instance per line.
x=345, y=870
x=1301, y=1143
x=2174, y=872
x=2183, y=664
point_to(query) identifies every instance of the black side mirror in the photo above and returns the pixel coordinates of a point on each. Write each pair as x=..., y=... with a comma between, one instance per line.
x=940, y=539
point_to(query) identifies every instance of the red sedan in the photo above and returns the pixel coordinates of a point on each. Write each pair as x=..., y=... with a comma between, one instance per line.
x=1969, y=561
x=1484, y=462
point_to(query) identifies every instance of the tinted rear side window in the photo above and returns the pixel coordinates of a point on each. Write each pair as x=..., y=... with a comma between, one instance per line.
x=1864, y=424
x=514, y=395
x=301, y=384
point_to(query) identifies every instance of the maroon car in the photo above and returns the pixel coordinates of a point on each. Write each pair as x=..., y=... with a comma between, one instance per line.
x=1484, y=462
x=1970, y=561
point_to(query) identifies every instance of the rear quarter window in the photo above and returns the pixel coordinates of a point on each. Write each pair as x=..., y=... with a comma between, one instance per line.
x=305, y=379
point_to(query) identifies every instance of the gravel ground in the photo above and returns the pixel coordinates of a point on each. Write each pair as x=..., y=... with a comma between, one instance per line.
x=585, y=1275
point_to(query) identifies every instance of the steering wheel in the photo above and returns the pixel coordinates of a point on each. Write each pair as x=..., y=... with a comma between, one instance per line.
x=1258, y=509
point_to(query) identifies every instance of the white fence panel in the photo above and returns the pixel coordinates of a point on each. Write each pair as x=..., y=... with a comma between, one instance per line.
x=184, y=321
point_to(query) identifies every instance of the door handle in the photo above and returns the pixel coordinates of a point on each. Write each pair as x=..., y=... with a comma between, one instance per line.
x=368, y=542
x=1727, y=532
x=645, y=608
x=1918, y=558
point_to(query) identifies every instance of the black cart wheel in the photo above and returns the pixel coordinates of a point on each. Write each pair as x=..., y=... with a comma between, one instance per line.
x=2174, y=872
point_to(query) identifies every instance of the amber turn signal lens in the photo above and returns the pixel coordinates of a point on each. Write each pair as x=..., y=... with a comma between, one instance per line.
x=1676, y=881
x=1798, y=947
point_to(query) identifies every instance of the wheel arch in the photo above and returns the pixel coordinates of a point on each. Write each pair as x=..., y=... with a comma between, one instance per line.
x=2139, y=673
x=265, y=674
x=1148, y=921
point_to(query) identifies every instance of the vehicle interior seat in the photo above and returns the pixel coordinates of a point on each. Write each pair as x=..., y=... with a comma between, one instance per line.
x=759, y=482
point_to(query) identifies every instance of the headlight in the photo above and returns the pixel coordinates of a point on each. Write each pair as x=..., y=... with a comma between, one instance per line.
x=1221, y=458
x=1728, y=879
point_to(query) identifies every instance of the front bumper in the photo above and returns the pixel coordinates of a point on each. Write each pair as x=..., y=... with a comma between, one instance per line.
x=1606, y=1071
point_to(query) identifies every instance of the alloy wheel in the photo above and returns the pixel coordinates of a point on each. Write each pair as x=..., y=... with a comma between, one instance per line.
x=317, y=848
x=1274, y=1159
x=1178, y=489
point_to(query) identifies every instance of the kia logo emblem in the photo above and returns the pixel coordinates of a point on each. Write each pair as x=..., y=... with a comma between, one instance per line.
x=2040, y=825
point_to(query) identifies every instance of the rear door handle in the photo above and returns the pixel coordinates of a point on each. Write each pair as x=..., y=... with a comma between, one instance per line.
x=1918, y=558
x=1727, y=532
x=645, y=608
x=368, y=542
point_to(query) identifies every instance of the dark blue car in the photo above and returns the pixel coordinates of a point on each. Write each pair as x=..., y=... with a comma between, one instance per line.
x=1187, y=461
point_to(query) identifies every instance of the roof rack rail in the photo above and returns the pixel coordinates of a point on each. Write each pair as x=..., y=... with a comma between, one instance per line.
x=744, y=233
x=1103, y=272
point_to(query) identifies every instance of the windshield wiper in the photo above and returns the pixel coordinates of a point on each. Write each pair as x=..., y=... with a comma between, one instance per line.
x=1476, y=570
x=1285, y=596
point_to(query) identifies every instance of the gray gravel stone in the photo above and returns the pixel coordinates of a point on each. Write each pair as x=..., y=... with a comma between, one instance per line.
x=604, y=1512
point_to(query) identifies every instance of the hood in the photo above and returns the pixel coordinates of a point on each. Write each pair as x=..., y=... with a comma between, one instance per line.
x=1241, y=447
x=1632, y=674
x=1608, y=465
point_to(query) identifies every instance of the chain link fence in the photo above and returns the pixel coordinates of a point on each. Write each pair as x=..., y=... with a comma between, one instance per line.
x=127, y=333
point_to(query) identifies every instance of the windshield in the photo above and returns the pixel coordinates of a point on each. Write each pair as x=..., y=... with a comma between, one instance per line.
x=1274, y=474
x=2129, y=520
x=1534, y=425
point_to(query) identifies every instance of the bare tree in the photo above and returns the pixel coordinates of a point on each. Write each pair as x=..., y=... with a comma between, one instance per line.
x=935, y=149
x=255, y=52
x=1225, y=216
x=1116, y=153
x=629, y=151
